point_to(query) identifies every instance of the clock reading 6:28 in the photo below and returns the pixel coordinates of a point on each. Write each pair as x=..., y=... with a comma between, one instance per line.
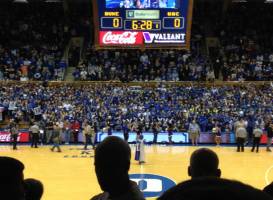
x=144, y=25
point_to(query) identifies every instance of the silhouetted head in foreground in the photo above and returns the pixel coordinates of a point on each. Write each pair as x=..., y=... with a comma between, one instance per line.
x=213, y=188
x=204, y=163
x=269, y=189
x=11, y=179
x=34, y=189
x=112, y=163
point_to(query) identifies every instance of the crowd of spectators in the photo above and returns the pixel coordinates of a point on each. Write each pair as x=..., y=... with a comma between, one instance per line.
x=247, y=45
x=149, y=65
x=32, y=41
x=245, y=51
x=32, y=45
x=116, y=106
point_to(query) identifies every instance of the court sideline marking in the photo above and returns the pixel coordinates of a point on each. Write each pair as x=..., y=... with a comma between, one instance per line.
x=267, y=175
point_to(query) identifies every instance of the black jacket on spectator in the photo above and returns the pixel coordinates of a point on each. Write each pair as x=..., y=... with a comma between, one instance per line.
x=213, y=189
x=11, y=179
x=269, y=131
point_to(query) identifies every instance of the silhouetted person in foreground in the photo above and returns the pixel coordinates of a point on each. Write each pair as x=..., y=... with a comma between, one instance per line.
x=11, y=179
x=204, y=163
x=207, y=184
x=213, y=188
x=112, y=163
x=34, y=189
x=269, y=189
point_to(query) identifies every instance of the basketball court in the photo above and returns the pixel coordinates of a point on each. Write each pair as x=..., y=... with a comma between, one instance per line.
x=70, y=174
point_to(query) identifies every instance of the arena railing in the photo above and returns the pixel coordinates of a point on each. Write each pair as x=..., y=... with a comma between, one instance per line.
x=145, y=84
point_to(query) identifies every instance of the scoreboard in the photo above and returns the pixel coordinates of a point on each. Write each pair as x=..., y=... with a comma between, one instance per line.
x=143, y=23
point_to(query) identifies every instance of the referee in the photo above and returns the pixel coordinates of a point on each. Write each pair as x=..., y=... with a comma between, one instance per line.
x=34, y=130
x=13, y=127
x=241, y=135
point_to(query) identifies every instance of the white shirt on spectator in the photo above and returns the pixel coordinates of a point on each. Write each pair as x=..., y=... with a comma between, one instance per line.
x=27, y=62
x=144, y=58
x=260, y=58
x=271, y=58
x=258, y=68
x=83, y=74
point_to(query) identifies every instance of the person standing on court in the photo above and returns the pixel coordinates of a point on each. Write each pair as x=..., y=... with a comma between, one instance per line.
x=67, y=131
x=34, y=130
x=88, y=132
x=240, y=123
x=241, y=134
x=56, y=137
x=125, y=130
x=75, y=127
x=216, y=131
x=140, y=150
x=269, y=131
x=155, y=130
x=60, y=124
x=49, y=129
x=170, y=131
x=13, y=128
x=257, y=134
x=42, y=136
x=93, y=136
x=139, y=128
x=194, y=131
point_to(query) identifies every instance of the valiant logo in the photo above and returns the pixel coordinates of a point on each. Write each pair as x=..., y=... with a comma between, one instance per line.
x=153, y=38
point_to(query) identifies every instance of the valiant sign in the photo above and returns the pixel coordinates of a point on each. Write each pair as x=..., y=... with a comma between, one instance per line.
x=157, y=38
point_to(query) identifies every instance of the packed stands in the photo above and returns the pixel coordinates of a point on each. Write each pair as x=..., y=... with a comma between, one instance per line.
x=247, y=45
x=244, y=52
x=136, y=65
x=115, y=105
x=32, y=41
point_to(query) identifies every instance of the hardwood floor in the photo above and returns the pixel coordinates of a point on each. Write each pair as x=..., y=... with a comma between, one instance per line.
x=70, y=174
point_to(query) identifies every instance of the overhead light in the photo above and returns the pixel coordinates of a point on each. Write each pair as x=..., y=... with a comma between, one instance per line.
x=268, y=1
x=53, y=1
x=20, y=1
x=239, y=1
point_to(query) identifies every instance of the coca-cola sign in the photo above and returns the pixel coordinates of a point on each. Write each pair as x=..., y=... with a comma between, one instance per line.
x=6, y=136
x=120, y=38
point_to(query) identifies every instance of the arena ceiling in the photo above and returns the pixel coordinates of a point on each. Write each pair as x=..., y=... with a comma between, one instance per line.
x=59, y=1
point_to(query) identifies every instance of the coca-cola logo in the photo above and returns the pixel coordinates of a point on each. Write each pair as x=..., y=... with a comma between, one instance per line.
x=124, y=38
x=6, y=137
x=119, y=37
